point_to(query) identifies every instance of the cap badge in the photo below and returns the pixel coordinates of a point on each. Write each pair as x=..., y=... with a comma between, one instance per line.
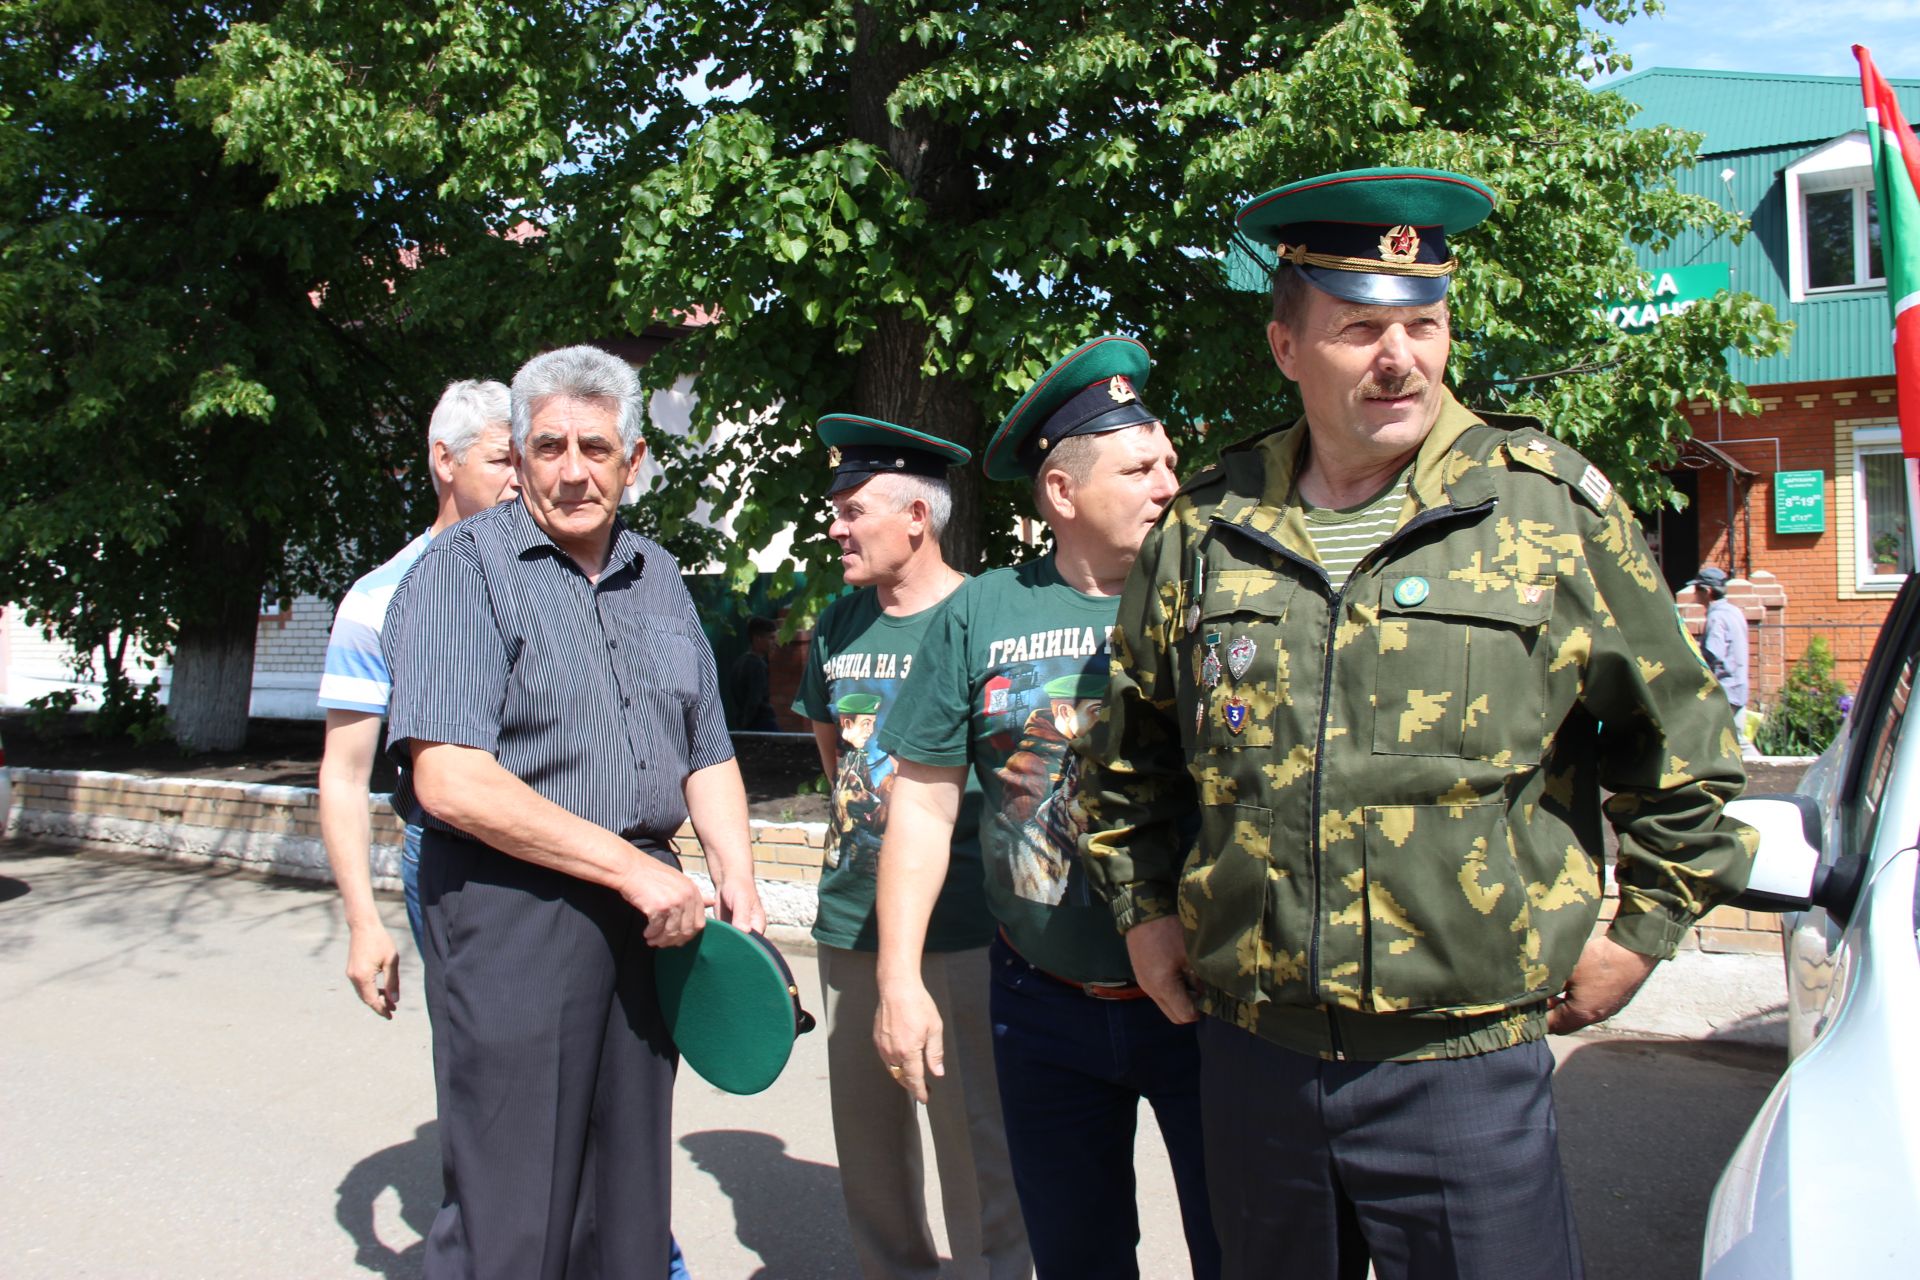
x=1121, y=389
x=1400, y=245
x=833, y=457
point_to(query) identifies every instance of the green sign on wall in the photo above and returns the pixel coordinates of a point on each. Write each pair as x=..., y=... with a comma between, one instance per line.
x=1799, y=502
x=1671, y=291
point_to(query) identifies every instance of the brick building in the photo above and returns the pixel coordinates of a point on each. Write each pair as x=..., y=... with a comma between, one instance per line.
x=1810, y=501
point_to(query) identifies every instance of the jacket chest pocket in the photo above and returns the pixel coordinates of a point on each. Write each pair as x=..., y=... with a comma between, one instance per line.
x=1462, y=668
x=1235, y=673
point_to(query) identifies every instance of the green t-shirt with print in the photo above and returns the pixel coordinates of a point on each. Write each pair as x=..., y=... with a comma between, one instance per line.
x=1012, y=669
x=855, y=668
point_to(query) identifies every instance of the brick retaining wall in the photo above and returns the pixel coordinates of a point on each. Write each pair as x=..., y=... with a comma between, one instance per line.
x=277, y=829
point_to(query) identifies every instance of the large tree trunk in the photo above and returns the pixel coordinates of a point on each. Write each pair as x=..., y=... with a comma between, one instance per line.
x=213, y=656
x=888, y=383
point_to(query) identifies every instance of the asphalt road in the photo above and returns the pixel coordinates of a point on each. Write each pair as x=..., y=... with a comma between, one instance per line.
x=188, y=1088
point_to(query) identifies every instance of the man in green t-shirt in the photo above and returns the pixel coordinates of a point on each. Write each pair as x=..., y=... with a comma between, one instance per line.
x=890, y=501
x=1012, y=667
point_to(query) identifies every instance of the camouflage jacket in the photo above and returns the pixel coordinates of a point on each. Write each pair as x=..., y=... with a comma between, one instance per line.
x=1399, y=790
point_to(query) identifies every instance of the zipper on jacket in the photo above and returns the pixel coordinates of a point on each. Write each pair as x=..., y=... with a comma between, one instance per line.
x=1431, y=516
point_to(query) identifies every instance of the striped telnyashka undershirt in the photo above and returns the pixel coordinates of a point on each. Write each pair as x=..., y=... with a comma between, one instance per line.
x=1344, y=537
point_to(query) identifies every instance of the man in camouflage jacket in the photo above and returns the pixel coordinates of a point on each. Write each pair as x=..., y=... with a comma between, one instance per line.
x=1398, y=767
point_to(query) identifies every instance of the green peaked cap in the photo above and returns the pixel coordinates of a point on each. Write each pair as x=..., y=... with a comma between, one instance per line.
x=1065, y=402
x=1369, y=235
x=732, y=1006
x=868, y=447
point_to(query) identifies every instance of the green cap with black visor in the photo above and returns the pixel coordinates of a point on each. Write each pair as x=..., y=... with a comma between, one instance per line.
x=867, y=447
x=1375, y=236
x=1093, y=389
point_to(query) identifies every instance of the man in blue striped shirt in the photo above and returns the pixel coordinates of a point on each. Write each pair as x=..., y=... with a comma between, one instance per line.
x=557, y=699
x=468, y=458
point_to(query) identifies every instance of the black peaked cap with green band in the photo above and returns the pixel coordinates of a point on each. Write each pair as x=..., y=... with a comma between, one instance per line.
x=1094, y=388
x=867, y=447
x=1370, y=235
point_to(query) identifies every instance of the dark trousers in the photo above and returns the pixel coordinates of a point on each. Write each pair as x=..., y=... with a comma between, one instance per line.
x=552, y=1070
x=1072, y=1070
x=1426, y=1169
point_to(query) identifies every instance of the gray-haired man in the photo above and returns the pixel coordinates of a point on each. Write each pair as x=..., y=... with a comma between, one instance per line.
x=469, y=460
x=558, y=702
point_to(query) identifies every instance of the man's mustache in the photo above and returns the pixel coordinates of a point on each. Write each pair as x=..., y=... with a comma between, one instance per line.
x=1411, y=383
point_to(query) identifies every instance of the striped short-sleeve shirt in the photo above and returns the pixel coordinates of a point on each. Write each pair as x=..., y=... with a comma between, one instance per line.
x=355, y=676
x=600, y=696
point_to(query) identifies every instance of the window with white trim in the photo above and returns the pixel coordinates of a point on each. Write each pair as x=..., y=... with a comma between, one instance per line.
x=1833, y=221
x=1883, y=508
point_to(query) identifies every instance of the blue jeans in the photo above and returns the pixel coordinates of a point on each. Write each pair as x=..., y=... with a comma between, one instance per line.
x=410, y=881
x=1072, y=1070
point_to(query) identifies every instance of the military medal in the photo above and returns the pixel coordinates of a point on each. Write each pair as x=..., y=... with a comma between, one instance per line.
x=1234, y=712
x=1240, y=657
x=1200, y=714
x=1210, y=665
x=1199, y=588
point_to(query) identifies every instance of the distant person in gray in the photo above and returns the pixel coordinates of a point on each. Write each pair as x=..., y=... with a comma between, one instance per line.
x=558, y=703
x=1725, y=644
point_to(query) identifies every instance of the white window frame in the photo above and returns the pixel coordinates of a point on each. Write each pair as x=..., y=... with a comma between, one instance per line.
x=1877, y=441
x=1845, y=164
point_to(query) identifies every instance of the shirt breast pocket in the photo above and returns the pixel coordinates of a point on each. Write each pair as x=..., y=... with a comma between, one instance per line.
x=1234, y=672
x=1462, y=668
x=667, y=653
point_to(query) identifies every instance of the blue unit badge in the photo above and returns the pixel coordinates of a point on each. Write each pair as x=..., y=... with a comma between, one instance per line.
x=1234, y=711
x=1410, y=592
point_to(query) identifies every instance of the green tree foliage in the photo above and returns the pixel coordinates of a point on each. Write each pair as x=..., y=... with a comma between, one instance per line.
x=207, y=395
x=909, y=209
x=1808, y=714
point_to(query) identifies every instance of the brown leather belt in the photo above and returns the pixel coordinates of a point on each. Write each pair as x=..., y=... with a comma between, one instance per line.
x=1098, y=990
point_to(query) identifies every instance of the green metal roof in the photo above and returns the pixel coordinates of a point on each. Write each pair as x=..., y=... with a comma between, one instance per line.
x=1757, y=125
x=1753, y=110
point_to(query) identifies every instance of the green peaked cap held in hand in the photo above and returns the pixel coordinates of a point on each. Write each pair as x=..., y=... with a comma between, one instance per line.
x=732, y=1006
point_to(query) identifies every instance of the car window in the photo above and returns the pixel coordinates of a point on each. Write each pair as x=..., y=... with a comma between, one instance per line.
x=1879, y=736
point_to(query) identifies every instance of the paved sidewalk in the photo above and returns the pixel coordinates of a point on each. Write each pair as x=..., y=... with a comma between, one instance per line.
x=189, y=1089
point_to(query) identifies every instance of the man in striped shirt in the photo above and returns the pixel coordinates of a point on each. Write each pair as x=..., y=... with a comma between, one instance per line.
x=467, y=456
x=558, y=702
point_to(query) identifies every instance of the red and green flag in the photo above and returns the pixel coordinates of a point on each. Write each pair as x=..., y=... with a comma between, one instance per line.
x=1896, y=178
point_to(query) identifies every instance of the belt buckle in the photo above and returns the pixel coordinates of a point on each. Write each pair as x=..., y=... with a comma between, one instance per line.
x=1106, y=990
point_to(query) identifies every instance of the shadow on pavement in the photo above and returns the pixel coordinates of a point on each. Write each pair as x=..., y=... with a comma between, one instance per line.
x=1646, y=1126
x=412, y=1171
x=11, y=888
x=787, y=1211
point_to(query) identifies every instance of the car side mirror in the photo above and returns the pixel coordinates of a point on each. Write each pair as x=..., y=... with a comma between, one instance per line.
x=1788, y=874
x=1788, y=861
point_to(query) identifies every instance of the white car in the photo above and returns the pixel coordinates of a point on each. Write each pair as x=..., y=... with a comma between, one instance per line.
x=1827, y=1180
